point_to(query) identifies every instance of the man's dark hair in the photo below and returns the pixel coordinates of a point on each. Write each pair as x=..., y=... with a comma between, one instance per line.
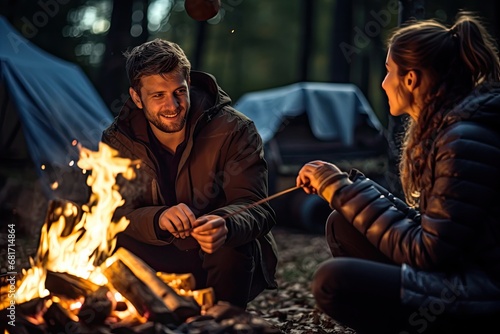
x=155, y=57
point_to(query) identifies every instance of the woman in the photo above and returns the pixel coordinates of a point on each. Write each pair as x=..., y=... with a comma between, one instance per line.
x=431, y=263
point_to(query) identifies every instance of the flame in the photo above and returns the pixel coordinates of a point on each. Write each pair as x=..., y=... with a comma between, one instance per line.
x=30, y=286
x=92, y=238
x=76, y=305
x=129, y=312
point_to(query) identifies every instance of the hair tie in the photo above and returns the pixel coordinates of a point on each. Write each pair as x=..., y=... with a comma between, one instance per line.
x=453, y=32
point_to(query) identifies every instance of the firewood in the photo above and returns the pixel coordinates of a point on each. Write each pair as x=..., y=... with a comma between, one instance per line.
x=224, y=310
x=184, y=285
x=138, y=293
x=178, y=281
x=204, y=297
x=61, y=320
x=152, y=297
x=69, y=286
x=96, y=307
x=24, y=326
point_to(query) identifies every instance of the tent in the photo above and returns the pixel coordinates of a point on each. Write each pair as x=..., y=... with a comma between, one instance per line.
x=47, y=104
x=308, y=121
x=314, y=120
x=333, y=109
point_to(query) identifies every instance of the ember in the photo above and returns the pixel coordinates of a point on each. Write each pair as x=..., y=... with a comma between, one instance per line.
x=78, y=283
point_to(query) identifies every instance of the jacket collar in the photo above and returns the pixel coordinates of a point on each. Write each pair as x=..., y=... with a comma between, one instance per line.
x=481, y=105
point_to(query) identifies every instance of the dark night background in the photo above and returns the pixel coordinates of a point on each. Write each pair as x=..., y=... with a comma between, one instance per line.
x=250, y=45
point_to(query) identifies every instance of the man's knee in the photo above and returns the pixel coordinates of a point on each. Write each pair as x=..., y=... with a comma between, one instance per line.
x=231, y=257
x=231, y=273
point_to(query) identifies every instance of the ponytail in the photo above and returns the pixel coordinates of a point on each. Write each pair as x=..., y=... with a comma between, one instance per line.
x=478, y=49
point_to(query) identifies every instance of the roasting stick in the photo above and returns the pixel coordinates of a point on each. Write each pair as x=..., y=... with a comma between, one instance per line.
x=259, y=202
x=251, y=205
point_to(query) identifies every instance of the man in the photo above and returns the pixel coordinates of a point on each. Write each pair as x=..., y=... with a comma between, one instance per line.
x=200, y=160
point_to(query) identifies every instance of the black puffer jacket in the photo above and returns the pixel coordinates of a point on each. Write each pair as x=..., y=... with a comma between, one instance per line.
x=221, y=170
x=450, y=249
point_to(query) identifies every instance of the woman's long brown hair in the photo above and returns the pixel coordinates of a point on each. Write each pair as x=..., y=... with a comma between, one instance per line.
x=454, y=60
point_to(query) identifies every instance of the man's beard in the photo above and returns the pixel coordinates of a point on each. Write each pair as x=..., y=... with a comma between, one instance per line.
x=169, y=127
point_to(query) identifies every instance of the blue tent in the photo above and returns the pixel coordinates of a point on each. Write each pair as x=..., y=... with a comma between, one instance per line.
x=46, y=104
x=308, y=121
x=333, y=110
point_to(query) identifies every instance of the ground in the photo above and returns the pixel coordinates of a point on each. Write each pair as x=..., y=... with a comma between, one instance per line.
x=291, y=307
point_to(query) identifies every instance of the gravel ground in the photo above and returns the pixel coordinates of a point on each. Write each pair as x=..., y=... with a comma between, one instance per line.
x=291, y=307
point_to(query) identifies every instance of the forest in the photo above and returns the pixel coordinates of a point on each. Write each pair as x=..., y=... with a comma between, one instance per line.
x=249, y=45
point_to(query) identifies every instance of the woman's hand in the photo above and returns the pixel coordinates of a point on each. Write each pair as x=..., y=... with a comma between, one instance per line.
x=318, y=177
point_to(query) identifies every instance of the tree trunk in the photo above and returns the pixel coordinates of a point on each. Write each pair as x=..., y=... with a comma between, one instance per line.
x=341, y=32
x=200, y=45
x=114, y=82
x=308, y=7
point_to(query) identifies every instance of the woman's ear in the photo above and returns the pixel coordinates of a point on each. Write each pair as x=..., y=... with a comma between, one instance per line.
x=135, y=97
x=411, y=80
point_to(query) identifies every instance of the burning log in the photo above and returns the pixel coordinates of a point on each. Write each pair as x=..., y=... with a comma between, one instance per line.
x=69, y=286
x=178, y=281
x=97, y=307
x=28, y=317
x=204, y=297
x=60, y=320
x=151, y=297
x=184, y=285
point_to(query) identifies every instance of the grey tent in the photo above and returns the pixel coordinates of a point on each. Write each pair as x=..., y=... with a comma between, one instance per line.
x=308, y=121
x=314, y=120
x=46, y=105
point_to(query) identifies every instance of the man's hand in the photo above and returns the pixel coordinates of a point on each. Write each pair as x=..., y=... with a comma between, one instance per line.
x=210, y=231
x=178, y=218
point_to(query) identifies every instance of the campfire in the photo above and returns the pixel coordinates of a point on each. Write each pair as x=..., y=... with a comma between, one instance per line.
x=79, y=283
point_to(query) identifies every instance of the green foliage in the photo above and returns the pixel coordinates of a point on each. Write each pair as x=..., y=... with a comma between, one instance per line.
x=250, y=45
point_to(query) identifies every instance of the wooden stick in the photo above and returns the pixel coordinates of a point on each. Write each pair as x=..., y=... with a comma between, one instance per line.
x=251, y=205
x=259, y=202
